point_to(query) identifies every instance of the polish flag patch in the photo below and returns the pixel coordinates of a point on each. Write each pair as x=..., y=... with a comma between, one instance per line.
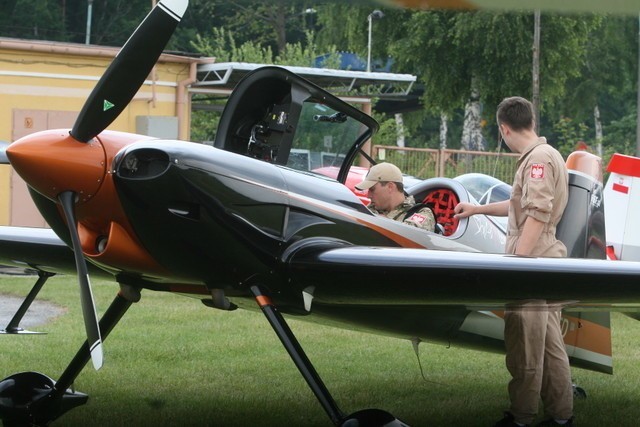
x=417, y=218
x=537, y=170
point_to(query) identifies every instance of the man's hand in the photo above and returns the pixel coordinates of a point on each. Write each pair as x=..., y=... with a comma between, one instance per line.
x=464, y=210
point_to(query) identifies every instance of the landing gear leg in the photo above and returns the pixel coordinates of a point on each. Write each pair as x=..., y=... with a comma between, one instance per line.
x=14, y=324
x=110, y=319
x=33, y=399
x=368, y=417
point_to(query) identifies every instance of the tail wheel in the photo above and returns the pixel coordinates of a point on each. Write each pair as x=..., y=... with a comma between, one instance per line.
x=443, y=202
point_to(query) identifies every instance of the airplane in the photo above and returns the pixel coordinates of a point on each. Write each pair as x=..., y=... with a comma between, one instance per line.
x=241, y=225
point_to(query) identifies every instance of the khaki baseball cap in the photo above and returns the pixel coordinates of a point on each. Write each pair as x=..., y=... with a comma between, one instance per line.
x=386, y=172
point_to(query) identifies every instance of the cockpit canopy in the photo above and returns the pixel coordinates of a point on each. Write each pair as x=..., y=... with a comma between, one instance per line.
x=279, y=117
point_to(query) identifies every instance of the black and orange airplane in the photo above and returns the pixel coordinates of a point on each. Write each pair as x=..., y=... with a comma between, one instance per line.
x=248, y=221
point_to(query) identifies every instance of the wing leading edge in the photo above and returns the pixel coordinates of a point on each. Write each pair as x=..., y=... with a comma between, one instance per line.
x=37, y=248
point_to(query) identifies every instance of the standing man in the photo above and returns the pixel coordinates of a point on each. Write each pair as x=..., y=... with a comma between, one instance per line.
x=386, y=191
x=535, y=353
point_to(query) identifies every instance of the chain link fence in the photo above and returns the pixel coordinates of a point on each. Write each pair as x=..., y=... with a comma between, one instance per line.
x=428, y=162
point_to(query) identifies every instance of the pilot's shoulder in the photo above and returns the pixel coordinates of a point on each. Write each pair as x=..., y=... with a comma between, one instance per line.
x=423, y=217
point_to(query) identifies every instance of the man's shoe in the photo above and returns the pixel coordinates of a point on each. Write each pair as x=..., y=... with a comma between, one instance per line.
x=553, y=423
x=507, y=421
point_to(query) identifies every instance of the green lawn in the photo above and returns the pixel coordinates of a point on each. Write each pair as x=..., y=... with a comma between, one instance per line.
x=174, y=362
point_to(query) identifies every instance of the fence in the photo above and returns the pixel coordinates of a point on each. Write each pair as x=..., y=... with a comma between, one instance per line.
x=429, y=162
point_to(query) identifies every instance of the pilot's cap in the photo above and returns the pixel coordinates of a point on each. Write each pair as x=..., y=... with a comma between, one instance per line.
x=386, y=172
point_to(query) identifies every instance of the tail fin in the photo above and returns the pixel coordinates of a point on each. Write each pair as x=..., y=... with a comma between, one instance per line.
x=582, y=230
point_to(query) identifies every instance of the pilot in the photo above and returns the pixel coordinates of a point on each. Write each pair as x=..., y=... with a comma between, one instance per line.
x=535, y=353
x=386, y=191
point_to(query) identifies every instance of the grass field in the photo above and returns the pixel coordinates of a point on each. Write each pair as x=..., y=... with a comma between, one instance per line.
x=173, y=362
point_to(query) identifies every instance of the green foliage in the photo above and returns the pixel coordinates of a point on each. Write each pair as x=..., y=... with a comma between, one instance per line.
x=343, y=25
x=619, y=137
x=33, y=19
x=303, y=53
x=222, y=45
x=450, y=50
x=567, y=134
x=204, y=123
x=388, y=132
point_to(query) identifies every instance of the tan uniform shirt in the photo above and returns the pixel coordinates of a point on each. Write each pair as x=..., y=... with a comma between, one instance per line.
x=540, y=189
x=423, y=218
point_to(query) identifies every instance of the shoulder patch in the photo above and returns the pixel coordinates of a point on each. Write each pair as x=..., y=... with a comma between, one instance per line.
x=418, y=218
x=537, y=170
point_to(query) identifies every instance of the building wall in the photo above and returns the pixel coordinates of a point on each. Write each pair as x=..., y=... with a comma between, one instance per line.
x=5, y=177
x=52, y=80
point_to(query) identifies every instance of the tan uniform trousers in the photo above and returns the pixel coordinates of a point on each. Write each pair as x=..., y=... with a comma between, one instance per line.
x=537, y=370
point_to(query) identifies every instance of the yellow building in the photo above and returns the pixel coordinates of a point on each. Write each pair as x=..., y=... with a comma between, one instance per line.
x=43, y=85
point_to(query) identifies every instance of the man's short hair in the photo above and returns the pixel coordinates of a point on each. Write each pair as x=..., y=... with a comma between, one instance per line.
x=399, y=186
x=515, y=112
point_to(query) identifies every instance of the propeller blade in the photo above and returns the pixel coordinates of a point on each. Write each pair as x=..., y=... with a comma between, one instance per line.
x=129, y=69
x=67, y=200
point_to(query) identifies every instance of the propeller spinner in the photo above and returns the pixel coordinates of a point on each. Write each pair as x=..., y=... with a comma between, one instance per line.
x=80, y=158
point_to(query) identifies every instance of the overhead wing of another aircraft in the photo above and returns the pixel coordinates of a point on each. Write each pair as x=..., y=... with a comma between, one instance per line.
x=248, y=222
x=575, y=6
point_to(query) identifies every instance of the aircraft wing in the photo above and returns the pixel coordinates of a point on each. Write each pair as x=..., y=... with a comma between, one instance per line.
x=401, y=276
x=37, y=248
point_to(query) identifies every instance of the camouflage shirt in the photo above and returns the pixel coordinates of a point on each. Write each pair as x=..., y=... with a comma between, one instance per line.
x=422, y=218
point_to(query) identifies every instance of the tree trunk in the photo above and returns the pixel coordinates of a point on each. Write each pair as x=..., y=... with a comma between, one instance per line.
x=598, y=124
x=471, y=131
x=399, y=130
x=443, y=130
x=279, y=24
x=535, y=72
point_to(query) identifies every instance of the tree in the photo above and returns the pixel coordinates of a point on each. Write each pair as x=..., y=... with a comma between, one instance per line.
x=274, y=23
x=456, y=54
x=33, y=19
x=605, y=88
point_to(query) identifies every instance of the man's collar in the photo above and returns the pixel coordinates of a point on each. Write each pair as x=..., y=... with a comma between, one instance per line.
x=541, y=140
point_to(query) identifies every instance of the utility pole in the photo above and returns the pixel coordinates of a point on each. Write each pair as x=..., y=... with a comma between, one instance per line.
x=87, y=39
x=376, y=14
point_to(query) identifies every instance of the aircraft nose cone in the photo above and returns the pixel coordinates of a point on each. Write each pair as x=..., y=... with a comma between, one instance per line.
x=52, y=162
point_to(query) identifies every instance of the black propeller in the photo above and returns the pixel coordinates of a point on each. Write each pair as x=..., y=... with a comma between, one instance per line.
x=112, y=94
x=67, y=200
x=129, y=69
